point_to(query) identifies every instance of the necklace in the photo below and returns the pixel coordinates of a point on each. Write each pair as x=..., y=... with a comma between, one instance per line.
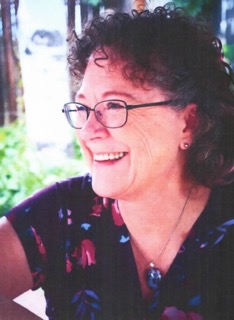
x=153, y=274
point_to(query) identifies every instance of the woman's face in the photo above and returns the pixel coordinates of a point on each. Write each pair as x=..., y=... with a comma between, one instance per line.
x=146, y=150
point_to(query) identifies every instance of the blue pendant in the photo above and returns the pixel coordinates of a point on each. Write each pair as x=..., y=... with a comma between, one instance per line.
x=153, y=277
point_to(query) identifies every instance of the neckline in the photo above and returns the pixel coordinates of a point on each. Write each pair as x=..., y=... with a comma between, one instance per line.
x=198, y=225
x=211, y=216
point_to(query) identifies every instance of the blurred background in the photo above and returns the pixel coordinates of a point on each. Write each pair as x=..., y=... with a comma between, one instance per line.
x=37, y=147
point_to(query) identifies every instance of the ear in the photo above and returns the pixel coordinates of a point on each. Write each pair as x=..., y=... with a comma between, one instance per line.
x=190, y=118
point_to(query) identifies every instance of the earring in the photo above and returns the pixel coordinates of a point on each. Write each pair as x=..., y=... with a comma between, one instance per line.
x=186, y=145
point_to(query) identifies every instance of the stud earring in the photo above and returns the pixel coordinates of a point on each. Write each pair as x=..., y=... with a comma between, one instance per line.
x=186, y=145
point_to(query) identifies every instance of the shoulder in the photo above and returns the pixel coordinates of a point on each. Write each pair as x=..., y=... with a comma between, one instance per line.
x=222, y=197
x=80, y=186
x=75, y=185
x=215, y=226
x=218, y=219
x=74, y=193
x=50, y=199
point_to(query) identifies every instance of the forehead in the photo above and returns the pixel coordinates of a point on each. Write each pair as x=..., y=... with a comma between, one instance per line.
x=105, y=78
x=107, y=75
x=99, y=66
x=101, y=76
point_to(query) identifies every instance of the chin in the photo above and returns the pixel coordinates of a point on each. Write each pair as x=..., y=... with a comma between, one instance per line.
x=102, y=192
x=109, y=181
x=103, y=189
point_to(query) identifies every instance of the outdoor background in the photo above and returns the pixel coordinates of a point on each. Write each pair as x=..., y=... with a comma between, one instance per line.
x=37, y=146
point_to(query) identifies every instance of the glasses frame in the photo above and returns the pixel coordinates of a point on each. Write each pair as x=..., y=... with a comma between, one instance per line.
x=127, y=107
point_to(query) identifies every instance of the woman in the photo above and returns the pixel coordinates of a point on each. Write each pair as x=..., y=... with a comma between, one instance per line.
x=148, y=235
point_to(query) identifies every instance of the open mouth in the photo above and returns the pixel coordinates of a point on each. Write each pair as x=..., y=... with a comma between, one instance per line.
x=109, y=156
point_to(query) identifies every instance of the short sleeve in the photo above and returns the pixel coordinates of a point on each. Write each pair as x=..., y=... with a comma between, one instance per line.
x=32, y=221
x=37, y=222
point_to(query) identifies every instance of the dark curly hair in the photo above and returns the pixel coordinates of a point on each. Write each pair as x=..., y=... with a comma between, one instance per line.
x=180, y=55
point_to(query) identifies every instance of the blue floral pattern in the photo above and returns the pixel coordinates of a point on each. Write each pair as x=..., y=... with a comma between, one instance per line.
x=84, y=261
x=87, y=305
x=215, y=235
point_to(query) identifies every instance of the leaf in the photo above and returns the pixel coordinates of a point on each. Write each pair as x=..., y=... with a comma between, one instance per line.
x=217, y=234
x=23, y=170
x=87, y=304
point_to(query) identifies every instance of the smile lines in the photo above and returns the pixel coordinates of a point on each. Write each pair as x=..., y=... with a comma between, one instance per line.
x=108, y=156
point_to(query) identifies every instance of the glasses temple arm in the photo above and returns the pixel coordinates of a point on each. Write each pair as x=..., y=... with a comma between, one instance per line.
x=152, y=104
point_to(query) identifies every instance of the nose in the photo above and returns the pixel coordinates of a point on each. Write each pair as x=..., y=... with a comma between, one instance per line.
x=92, y=129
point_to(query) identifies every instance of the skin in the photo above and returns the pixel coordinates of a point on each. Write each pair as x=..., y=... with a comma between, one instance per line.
x=150, y=140
x=15, y=275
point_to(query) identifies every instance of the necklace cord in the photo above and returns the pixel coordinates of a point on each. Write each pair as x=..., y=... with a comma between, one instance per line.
x=152, y=263
x=175, y=227
x=153, y=274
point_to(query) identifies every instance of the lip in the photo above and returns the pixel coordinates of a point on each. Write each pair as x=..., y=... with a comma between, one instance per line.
x=107, y=157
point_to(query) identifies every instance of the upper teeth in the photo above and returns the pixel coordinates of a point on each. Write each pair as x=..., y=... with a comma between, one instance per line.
x=108, y=156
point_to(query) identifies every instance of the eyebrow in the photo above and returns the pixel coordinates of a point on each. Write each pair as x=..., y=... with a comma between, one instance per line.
x=110, y=93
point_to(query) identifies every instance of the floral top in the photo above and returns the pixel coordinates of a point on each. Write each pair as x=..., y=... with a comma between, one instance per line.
x=79, y=252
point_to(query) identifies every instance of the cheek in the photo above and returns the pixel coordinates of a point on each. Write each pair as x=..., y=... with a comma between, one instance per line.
x=153, y=141
x=141, y=145
x=85, y=151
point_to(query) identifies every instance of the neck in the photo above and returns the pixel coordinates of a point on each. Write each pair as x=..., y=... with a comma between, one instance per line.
x=158, y=225
x=155, y=205
x=158, y=211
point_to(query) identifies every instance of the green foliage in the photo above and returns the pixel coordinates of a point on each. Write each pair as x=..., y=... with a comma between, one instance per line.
x=196, y=7
x=93, y=3
x=23, y=171
x=229, y=52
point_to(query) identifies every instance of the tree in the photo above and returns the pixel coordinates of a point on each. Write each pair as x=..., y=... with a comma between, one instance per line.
x=8, y=63
x=71, y=16
x=2, y=113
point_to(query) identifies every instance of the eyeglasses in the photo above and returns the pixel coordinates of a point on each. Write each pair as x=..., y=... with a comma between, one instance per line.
x=110, y=113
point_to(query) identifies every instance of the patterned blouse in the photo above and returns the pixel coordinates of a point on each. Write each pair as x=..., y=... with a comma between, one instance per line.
x=79, y=252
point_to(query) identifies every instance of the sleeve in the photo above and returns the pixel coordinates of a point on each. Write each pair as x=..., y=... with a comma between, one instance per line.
x=36, y=223
x=40, y=223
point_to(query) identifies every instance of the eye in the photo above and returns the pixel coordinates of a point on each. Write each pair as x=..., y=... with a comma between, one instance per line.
x=80, y=107
x=115, y=105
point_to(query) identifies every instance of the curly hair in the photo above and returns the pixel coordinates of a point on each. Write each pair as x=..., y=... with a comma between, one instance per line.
x=180, y=55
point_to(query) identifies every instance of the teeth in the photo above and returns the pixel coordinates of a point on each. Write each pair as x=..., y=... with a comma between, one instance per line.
x=108, y=156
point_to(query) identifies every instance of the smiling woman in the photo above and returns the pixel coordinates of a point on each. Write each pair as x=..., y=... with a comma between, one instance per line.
x=147, y=157
x=146, y=234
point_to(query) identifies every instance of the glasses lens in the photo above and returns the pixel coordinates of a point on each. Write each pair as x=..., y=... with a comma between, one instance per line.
x=76, y=114
x=111, y=113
